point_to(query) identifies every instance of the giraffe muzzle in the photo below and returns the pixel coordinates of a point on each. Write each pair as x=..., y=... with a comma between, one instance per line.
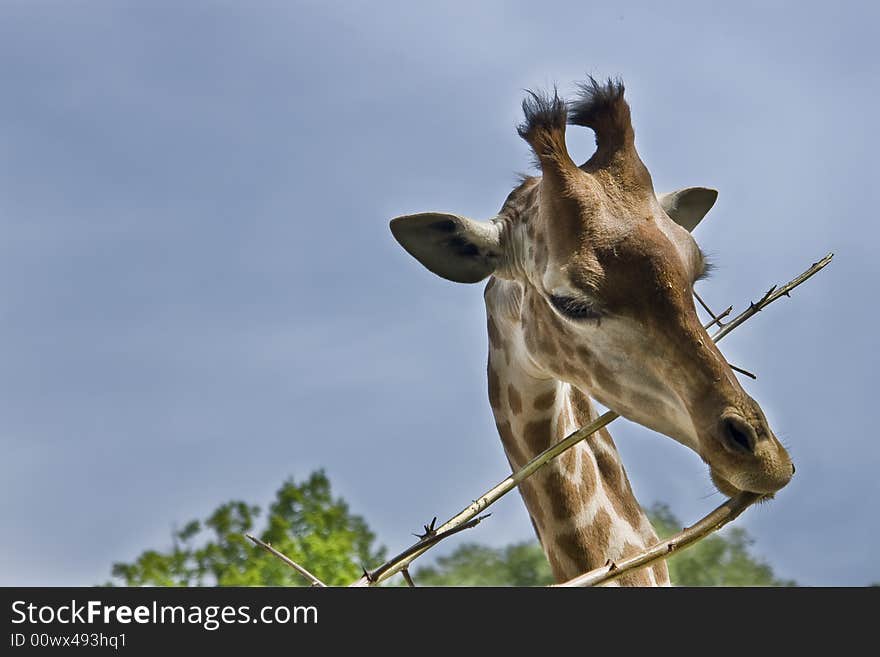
x=748, y=457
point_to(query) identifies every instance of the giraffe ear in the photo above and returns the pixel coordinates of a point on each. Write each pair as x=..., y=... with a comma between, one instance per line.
x=688, y=206
x=454, y=247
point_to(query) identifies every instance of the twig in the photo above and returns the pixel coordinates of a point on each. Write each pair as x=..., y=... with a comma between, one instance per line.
x=290, y=562
x=407, y=577
x=742, y=371
x=772, y=295
x=707, y=525
x=491, y=496
x=428, y=540
x=716, y=319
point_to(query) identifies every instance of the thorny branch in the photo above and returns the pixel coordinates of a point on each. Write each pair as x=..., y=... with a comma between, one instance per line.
x=427, y=540
x=772, y=295
x=469, y=516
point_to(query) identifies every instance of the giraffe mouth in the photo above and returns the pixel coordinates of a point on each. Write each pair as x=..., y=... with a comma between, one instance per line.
x=723, y=485
x=726, y=487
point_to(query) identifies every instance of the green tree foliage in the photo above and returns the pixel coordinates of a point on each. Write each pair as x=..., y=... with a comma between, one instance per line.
x=304, y=522
x=719, y=560
x=520, y=564
x=307, y=524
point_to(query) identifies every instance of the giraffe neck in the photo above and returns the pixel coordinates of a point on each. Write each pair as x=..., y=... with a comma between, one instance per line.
x=581, y=503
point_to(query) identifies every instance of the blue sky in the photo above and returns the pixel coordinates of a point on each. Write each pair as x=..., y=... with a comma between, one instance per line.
x=201, y=296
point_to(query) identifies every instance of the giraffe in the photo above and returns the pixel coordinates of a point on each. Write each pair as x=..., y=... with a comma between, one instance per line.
x=590, y=299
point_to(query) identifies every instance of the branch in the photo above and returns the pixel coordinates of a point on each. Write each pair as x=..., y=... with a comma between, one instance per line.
x=407, y=577
x=742, y=371
x=716, y=319
x=491, y=496
x=430, y=538
x=290, y=562
x=772, y=295
x=728, y=511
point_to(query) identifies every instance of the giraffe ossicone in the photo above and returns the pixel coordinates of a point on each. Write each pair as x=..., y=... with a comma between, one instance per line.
x=590, y=297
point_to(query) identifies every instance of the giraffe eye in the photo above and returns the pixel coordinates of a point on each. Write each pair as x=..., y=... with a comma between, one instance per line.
x=574, y=308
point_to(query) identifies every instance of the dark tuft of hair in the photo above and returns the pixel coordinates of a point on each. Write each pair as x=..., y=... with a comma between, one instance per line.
x=544, y=128
x=601, y=106
x=543, y=113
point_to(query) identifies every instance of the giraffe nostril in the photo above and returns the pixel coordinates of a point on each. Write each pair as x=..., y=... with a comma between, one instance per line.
x=737, y=435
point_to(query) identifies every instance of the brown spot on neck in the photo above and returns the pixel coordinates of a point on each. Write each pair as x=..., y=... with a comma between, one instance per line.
x=610, y=470
x=584, y=547
x=538, y=435
x=494, y=389
x=515, y=455
x=544, y=402
x=567, y=498
x=514, y=400
x=494, y=335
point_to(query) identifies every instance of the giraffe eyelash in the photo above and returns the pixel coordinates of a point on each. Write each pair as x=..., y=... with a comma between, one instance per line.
x=575, y=309
x=707, y=266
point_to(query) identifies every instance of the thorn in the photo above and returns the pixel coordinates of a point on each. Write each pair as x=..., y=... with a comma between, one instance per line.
x=767, y=295
x=429, y=530
x=367, y=575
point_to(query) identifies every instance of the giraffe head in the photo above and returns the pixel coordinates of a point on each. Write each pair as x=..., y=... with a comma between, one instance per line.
x=604, y=297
